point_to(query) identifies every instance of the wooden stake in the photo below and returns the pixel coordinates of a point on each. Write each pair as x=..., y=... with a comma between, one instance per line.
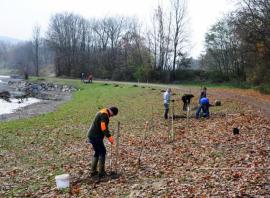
x=172, y=131
x=226, y=117
x=169, y=131
x=117, y=145
x=152, y=120
x=188, y=110
x=143, y=142
x=111, y=159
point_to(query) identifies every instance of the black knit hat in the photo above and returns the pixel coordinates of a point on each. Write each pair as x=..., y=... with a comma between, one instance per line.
x=114, y=110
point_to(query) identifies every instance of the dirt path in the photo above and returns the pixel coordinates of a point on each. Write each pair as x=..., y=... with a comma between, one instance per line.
x=250, y=98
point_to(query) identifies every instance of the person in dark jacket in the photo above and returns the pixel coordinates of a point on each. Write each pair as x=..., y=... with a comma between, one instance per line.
x=96, y=133
x=203, y=93
x=186, y=101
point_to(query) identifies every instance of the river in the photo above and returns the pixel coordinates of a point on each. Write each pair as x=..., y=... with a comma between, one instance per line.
x=15, y=104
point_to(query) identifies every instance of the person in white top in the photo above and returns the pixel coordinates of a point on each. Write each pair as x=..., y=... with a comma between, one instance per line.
x=166, y=100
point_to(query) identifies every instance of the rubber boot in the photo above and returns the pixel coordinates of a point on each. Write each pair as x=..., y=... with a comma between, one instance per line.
x=94, y=166
x=101, y=167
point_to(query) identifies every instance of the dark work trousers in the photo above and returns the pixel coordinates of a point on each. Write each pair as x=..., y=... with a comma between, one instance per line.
x=99, y=148
x=166, y=110
x=205, y=110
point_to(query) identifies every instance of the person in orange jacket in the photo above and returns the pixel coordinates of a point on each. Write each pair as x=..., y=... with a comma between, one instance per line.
x=96, y=133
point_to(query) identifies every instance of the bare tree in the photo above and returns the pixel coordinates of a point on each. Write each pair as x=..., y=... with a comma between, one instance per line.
x=161, y=37
x=179, y=18
x=253, y=31
x=153, y=42
x=238, y=45
x=67, y=36
x=36, y=44
x=168, y=45
x=99, y=27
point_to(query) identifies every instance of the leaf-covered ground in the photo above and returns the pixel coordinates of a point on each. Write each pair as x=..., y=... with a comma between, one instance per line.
x=204, y=160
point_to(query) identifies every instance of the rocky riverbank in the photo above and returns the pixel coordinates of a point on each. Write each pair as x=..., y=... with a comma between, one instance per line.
x=46, y=97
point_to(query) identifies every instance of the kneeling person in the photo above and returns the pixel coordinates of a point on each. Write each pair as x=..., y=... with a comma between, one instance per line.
x=204, y=106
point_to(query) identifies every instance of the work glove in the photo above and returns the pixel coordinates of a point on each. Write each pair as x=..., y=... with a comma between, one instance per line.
x=111, y=140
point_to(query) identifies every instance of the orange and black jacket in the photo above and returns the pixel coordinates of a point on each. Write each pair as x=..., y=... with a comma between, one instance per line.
x=99, y=127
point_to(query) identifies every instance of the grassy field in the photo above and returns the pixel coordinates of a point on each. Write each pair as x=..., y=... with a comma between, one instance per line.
x=204, y=159
x=31, y=147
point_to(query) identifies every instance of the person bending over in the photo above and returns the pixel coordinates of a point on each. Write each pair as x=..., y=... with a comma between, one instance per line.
x=96, y=133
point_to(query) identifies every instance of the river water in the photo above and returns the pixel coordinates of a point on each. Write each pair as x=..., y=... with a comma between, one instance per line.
x=15, y=104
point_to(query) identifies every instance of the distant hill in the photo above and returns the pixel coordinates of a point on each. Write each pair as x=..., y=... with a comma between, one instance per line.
x=9, y=40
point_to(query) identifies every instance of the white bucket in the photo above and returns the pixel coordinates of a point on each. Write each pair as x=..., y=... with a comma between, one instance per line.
x=62, y=181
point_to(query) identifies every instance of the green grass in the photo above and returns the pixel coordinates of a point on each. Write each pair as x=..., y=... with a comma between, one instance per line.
x=38, y=143
x=85, y=102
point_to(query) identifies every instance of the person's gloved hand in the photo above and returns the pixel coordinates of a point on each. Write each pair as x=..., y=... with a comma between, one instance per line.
x=111, y=140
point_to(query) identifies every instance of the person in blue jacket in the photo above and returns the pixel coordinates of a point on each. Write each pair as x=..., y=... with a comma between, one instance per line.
x=204, y=107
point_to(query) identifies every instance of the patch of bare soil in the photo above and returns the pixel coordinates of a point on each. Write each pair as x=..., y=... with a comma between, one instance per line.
x=249, y=98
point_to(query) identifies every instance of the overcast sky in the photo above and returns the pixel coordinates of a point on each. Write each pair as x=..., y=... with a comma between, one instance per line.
x=19, y=16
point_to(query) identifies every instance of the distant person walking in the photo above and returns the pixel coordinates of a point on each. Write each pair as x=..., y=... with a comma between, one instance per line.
x=96, y=133
x=90, y=78
x=82, y=77
x=166, y=101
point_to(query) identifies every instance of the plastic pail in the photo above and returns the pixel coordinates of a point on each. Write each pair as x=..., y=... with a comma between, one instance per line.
x=62, y=181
